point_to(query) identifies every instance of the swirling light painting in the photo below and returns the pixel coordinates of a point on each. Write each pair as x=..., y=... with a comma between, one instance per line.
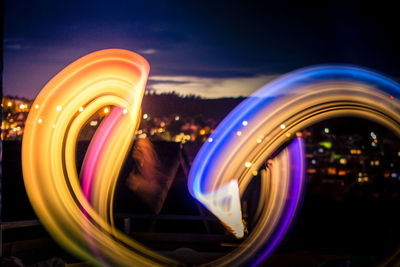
x=77, y=209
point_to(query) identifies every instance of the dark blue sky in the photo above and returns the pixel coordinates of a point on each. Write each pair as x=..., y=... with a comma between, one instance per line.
x=210, y=48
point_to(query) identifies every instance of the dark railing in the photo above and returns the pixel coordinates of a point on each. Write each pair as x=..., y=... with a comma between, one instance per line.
x=15, y=225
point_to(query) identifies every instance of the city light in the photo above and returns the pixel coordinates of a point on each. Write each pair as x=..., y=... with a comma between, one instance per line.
x=332, y=171
x=311, y=171
x=355, y=151
x=326, y=144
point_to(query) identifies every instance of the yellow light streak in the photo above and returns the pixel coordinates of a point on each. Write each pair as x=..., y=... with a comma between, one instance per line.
x=111, y=77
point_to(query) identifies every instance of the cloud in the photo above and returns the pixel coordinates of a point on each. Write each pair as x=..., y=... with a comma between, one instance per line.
x=209, y=87
x=14, y=44
x=147, y=51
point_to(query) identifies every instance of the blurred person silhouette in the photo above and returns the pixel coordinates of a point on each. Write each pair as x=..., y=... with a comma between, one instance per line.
x=146, y=179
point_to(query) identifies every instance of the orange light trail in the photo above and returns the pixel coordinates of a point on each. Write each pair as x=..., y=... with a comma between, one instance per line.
x=82, y=222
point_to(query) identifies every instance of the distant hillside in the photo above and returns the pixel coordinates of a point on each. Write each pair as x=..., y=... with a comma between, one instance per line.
x=169, y=104
x=160, y=105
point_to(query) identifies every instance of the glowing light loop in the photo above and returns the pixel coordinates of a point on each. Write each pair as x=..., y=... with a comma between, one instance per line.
x=273, y=114
x=82, y=220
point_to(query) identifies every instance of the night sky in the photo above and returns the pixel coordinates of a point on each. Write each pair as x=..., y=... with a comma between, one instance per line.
x=208, y=48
